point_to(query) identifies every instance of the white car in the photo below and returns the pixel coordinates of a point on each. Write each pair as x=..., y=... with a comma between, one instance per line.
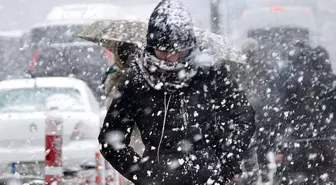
x=24, y=104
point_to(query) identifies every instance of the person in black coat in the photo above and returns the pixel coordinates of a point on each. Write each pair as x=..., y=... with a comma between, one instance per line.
x=307, y=127
x=194, y=121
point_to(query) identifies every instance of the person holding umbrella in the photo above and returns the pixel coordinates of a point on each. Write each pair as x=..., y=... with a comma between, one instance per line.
x=193, y=119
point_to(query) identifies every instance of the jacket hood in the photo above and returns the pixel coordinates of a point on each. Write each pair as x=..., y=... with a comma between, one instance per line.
x=170, y=27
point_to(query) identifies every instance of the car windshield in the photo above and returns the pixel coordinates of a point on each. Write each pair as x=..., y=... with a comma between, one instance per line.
x=40, y=99
x=264, y=18
x=55, y=34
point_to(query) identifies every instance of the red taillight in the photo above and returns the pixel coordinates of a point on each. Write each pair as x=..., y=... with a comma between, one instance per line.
x=244, y=13
x=34, y=60
x=109, y=56
x=277, y=9
x=308, y=11
x=81, y=132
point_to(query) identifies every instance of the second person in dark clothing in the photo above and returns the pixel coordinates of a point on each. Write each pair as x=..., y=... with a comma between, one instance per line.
x=306, y=127
x=194, y=121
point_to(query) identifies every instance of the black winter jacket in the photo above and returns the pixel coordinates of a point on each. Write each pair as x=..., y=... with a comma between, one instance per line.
x=191, y=136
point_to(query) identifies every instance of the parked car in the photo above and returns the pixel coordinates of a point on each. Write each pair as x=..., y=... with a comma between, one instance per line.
x=24, y=105
x=276, y=29
x=52, y=32
x=55, y=52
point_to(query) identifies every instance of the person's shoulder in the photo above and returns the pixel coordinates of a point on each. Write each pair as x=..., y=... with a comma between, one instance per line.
x=126, y=78
x=132, y=80
x=215, y=71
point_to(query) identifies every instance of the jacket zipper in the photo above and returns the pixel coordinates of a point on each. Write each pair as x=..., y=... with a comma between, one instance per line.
x=184, y=113
x=166, y=106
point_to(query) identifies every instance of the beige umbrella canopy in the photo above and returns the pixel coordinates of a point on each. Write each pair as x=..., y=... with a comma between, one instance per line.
x=110, y=33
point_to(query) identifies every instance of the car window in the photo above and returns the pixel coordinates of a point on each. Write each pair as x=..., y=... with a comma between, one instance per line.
x=40, y=99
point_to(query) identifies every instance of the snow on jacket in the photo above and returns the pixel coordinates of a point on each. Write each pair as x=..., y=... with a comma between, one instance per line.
x=191, y=136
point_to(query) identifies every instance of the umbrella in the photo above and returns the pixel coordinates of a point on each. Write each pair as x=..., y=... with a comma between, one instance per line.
x=110, y=33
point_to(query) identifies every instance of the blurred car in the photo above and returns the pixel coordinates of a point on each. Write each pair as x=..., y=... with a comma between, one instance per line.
x=85, y=61
x=11, y=61
x=24, y=106
x=277, y=29
x=52, y=32
x=275, y=17
x=55, y=52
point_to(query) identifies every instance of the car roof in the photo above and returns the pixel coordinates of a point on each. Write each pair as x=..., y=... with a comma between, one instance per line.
x=61, y=82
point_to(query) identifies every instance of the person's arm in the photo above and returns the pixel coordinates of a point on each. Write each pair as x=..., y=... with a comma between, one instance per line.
x=115, y=135
x=235, y=120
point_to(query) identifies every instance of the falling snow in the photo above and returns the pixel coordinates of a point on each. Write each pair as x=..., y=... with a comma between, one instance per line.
x=261, y=87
